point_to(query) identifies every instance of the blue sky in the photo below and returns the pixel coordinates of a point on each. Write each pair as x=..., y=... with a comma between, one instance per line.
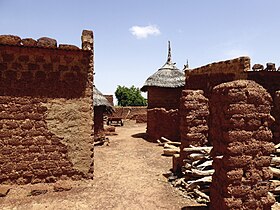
x=131, y=35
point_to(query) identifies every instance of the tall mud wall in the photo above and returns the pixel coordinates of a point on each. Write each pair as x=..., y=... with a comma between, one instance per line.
x=162, y=123
x=242, y=144
x=46, y=111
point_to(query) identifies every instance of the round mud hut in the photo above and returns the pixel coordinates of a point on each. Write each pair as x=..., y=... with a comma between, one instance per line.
x=164, y=89
x=101, y=106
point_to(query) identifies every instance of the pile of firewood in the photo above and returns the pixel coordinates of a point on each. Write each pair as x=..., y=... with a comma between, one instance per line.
x=275, y=168
x=196, y=174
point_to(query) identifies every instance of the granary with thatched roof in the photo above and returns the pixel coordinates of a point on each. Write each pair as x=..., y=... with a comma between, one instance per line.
x=101, y=106
x=164, y=89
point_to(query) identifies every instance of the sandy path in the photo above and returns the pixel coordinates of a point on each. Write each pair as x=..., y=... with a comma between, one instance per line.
x=128, y=175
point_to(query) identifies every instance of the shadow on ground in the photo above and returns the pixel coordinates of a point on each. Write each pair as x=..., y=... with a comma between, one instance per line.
x=195, y=208
x=141, y=136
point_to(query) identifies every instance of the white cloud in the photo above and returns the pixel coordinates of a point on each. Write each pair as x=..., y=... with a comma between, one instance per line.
x=142, y=32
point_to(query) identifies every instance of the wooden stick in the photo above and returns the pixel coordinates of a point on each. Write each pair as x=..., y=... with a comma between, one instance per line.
x=169, y=141
x=201, y=194
x=198, y=149
x=275, y=171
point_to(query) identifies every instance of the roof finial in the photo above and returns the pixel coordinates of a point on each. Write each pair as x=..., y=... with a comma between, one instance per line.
x=169, y=53
x=186, y=66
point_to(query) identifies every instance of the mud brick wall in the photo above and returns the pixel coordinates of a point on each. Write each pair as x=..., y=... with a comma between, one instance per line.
x=239, y=129
x=162, y=122
x=98, y=121
x=208, y=76
x=194, y=113
x=168, y=98
x=130, y=112
x=276, y=114
x=46, y=112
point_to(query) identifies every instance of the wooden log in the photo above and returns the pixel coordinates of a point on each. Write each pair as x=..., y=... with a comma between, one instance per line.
x=171, y=152
x=275, y=161
x=206, y=179
x=201, y=194
x=204, y=150
x=196, y=156
x=200, y=173
x=275, y=171
x=277, y=146
x=163, y=139
x=205, y=164
x=169, y=146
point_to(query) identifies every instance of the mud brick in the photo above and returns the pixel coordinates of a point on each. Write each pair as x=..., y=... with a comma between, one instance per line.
x=28, y=141
x=233, y=123
x=48, y=66
x=14, y=141
x=34, y=148
x=37, y=165
x=5, y=133
x=267, y=148
x=33, y=133
x=27, y=156
x=254, y=175
x=8, y=57
x=27, y=174
x=3, y=66
x=42, y=140
x=41, y=172
x=56, y=171
x=75, y=68
x=22, y=166
x=263, y=135
x=50, y=164
x=42, y=109
x=40, y=124
x=23, y=58
x=242, y=109
x=63, y=149
x=11, y=124
x=23, y=101
x=237, y=191
x=55, y=156
x=16, y=66
x=40, y=76
x=33, y=66
x=262, y=161
x=267, y=201
x=236, y=162
x=35, y=116
x=6, y=150
x=27, y=108
x=42, y=157
x=253, y=124
x=7, y=168
x=56, y=140
x=19, y=116
x=63, y=68
x=64, y=163
x=27, y=125
x=231, y=203
x=39, y=58
x=252, y=204
x=3, y=177
x=239, y=135
x=68, y=171
x=55, y=59
x=260, y=189
x=50, y=148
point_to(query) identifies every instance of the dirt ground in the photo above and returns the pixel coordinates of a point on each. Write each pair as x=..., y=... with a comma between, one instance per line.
x=129, y=174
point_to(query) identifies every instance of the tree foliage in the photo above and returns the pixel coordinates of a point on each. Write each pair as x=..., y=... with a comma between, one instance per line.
x=130, y=96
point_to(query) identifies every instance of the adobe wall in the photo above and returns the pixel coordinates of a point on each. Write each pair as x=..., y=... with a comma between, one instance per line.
x=163, y=123
x=46, y=112
x=208, y=76
x=168, y=98
x=242, y=144
x=130, y=112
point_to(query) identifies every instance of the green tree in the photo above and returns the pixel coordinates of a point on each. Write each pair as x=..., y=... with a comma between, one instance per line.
x=130, y=96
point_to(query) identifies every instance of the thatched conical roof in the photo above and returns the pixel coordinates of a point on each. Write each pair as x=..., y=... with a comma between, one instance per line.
x=100, y=100
x=168, y=75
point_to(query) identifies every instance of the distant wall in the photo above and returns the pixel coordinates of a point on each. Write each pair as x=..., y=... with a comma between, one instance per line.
x=168, y=98
x=130, y=112
x=110, y=98
x=208, y=76
x=46, y=111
